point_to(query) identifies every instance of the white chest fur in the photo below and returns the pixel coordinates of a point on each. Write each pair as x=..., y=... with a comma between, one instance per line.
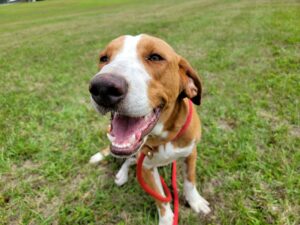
x=168, y=153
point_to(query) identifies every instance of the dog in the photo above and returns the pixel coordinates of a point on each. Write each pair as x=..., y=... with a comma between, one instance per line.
x=147, y=86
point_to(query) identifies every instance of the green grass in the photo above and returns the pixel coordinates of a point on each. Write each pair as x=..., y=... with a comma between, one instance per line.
x=248, y=55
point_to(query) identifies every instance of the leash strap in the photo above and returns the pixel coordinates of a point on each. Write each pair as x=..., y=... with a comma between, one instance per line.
x=187, y=121
x=154, y=194
x=175, y=193
x=150, y=191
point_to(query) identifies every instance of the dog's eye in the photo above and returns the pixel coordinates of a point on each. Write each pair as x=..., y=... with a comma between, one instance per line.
x=155, y=57
x=104, y=59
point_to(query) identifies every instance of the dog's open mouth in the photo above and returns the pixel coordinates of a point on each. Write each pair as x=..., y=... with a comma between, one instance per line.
x=128, y=133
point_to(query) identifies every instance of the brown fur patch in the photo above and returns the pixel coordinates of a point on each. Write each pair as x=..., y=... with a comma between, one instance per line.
x=164, y=73
x=111, y=50
x=191, y=166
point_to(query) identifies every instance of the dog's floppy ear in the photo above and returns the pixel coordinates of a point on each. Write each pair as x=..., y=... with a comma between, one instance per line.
x=190, y=83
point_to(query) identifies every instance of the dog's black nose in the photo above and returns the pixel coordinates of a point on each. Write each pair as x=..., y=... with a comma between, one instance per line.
x=108, y=89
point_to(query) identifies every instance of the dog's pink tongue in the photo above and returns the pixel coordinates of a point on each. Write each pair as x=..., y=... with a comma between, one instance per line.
x=123, y=127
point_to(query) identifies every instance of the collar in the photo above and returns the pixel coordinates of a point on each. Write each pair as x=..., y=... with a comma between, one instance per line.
x=187, y=121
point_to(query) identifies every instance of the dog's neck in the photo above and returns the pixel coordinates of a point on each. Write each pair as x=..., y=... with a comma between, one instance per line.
x=172, y=118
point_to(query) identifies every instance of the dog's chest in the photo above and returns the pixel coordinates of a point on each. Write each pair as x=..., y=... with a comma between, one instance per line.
x=168, y=153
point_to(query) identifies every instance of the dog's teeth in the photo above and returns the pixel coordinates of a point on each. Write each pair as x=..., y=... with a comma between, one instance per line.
x=132, y=139
x=127, y=145
x=116, y=145
x=124, y=145
x=110, y=138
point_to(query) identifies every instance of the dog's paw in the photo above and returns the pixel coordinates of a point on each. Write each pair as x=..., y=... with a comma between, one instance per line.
x=98, y=157
x=167, y=218
x=199, y=204
x=121, y=177
x=195, y=200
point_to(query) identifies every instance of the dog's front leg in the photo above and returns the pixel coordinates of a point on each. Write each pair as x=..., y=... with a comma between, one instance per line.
x=151, y=177
x=195, y=200
x=122, y=175
x=99, y=156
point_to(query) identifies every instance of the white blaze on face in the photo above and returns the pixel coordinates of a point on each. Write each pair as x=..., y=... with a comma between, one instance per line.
x=128, y=65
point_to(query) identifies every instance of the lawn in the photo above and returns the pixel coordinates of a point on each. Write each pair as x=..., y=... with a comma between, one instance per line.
x=248, y=56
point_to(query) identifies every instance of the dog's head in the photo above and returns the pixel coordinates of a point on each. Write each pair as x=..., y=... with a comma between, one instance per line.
x=139, y=78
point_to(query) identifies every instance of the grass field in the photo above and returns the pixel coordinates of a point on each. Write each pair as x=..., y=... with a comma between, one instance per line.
x=248, y=55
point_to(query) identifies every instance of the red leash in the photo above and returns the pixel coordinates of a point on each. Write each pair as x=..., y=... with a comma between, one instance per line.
x=146, y=187
x=151, y=192
x=187, y=121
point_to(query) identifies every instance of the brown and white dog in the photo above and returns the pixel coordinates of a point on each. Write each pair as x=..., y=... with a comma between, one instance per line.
x=145, y=85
